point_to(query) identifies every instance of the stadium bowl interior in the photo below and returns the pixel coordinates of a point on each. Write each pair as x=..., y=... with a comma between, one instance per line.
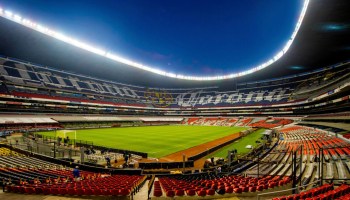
x=278, y=133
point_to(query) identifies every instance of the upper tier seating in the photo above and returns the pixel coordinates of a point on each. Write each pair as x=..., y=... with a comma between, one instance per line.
x=321, y=80
x=17, y=73
x=25, y=120
x=27, y=81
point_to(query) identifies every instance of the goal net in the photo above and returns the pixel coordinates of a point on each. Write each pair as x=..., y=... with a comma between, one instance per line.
x=72, y=134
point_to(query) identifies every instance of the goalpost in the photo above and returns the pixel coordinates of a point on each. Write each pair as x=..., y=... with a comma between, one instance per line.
x=72, y=134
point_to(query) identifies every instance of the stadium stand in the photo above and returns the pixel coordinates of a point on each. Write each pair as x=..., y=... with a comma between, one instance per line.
x=271, y=123
x=326, y=191
x=201, y=185
x=33, y=176
x=278, y=161
x=304, y=154
x=228, y=121
x=31, y=86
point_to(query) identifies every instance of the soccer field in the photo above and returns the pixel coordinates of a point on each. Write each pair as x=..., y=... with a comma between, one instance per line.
x=157, y=141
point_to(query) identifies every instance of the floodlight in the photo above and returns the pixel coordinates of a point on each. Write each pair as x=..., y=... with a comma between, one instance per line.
x=8, y=13
x=17, y=18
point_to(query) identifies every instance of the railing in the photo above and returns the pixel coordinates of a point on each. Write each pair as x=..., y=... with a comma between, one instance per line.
x=44, y=148
x=88, y=144
x=150, y=185
x=60, y=141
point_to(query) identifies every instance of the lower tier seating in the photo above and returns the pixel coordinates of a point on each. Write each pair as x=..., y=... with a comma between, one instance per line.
x=210, y=184
x=324, y=192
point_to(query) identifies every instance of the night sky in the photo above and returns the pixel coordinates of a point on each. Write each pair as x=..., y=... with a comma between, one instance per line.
x=182, y=36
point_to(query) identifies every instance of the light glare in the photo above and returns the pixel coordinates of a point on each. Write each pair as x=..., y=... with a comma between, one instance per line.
x=18, y=19
x=8, y=13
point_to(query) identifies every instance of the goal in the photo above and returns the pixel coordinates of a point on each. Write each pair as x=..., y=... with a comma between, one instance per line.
x=72, y=134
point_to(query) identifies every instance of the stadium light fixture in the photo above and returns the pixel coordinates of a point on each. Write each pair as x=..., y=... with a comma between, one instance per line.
x=17, y=18
x=28, y=23
x=8, y=13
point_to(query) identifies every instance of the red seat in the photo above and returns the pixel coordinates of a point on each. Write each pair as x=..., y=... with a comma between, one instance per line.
x=21, y=189
x=266, y=186
x=210, y=192
x=290, y=197
x=29, y=190
x=16, y=188
x=201, y=193
x=38, y=190
x=97, y=191
x=124, y=192
x=237, y=190
x=63, y=191
x=221, y=187
x=170, y=193
x=80, y=191
x=55, y=191
x=9, y=188
x=89, y=192
x=71, y=191
x=252, y=189
x=281, y=183
x=190, y=192
x=304, y=195
x=229, y=189
x=157, y=193
x=179, y=192
x=46, y=190
x=296, y=197
x=245, y=189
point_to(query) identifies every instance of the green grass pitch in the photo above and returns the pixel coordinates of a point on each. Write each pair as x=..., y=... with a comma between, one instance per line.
x=240, y=144
x=157, y=141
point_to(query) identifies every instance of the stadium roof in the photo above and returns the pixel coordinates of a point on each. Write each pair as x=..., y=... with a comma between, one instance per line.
x=322, y=40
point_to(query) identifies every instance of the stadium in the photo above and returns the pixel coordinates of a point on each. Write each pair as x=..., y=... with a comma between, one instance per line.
x=279, y=130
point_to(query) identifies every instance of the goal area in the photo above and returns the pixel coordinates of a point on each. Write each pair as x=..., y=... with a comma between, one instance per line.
x=72, y=134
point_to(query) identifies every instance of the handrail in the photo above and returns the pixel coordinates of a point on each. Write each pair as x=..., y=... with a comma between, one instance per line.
x=150, y=185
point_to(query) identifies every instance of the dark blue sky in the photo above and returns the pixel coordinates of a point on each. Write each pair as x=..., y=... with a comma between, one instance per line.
x=204, y=37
